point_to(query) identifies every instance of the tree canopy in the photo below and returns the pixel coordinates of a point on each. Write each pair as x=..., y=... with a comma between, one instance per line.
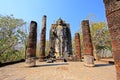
x=12, y=37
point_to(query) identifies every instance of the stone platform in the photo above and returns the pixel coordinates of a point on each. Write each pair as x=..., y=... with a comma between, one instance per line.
x=58, y=71
x=109, y=60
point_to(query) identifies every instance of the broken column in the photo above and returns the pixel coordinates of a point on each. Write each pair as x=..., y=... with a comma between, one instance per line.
x=31, y=47
x=113, y=18
x=77, y=46
x=88, y=48
x=43, y=39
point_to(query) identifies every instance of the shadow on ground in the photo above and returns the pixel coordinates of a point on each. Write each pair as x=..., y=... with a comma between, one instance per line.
x=102, y=65
x=11, y=63
x=50, y=64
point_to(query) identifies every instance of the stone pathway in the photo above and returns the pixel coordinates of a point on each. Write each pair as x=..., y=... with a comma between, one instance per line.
x=58, y=71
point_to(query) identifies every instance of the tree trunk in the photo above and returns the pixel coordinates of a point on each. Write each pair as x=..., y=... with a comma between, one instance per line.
x=95, y=53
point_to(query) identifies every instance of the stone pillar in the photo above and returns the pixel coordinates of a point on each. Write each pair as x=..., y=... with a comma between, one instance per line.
x=43, y=39
x=113, y=18
x=31, y=47
x=88, y=48
x=77, y=46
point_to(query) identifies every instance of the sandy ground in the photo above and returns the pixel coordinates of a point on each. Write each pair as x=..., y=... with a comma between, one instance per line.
x=58, y=71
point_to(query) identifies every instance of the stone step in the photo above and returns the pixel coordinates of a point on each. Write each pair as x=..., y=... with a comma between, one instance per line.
x=110, y=61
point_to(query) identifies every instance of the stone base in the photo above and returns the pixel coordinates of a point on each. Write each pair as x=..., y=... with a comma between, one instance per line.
x=75, y=58
x=65, y=56
x=70, y=58
x=49, y=61
x=41, y=59
x=89, y=60
x=31, y=62
x=80, y=60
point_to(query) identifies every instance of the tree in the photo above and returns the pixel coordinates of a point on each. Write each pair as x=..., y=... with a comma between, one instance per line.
x=100, y=37
x=10, y=37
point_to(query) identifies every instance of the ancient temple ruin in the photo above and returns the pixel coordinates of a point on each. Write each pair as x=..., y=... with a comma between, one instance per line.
x=113, y=18
x=42, y=39
x=31, y=47
x=60, y=38
x=88, y=48
x=78, y=47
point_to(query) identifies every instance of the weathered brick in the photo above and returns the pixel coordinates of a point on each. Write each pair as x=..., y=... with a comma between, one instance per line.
x=31, y=48
x=88, y=48
x=42, y=39
x=78, y=46
x=113, y=18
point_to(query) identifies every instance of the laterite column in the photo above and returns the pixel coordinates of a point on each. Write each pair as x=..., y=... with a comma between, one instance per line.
x=31, y=47
x=43, y=39
x=88, y=48
x=77, y=46
x=113, y=18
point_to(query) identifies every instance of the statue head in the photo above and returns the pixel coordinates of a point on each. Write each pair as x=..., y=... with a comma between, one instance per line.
x=60, y=21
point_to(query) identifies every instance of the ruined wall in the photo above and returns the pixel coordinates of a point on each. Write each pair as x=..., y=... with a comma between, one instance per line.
x=77, y=46
x=42, y=39
x=88, y=48
x=31, y=47
x=113, y=18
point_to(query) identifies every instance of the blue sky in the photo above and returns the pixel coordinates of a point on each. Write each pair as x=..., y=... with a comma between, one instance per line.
x=72, y=11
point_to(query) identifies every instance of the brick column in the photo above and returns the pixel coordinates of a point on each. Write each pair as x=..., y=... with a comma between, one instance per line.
x=43, y=39
x=88, y=49
x=31, y=47
x=113, y=18
x=77, y=46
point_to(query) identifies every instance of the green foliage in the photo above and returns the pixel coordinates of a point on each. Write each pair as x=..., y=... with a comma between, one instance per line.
x=100, y=38
x=11, y=38
x=100, y=35
x=73, y=46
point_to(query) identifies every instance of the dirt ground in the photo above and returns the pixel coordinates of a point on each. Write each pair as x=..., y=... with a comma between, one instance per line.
x=58, y=71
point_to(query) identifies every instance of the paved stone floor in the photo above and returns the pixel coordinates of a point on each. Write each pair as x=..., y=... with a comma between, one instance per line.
x=58, y=71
